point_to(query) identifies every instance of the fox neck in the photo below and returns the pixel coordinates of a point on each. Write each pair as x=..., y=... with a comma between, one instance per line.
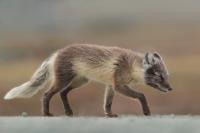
x=138, y=72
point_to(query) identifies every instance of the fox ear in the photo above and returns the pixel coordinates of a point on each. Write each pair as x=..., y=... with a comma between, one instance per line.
x=152, y=58
x=157, y=55
x=148, y=58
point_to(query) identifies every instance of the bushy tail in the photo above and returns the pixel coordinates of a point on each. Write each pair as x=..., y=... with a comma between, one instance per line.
x=37, y=82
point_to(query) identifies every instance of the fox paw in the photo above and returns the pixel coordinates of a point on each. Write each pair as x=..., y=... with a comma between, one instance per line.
x=48, y=114
x=69, y=113
x=147, y=113
x=111, y=115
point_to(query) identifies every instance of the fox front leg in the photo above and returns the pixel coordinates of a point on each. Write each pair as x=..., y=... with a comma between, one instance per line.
x=125, y=90
x=108, y=99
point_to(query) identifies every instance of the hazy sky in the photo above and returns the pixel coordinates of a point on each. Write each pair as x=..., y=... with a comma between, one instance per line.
x=48, y=14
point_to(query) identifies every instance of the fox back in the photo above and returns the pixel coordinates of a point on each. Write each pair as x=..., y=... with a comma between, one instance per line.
x=100, y=63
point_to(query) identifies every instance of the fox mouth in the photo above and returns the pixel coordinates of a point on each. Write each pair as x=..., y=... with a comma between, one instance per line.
x=163, y=90
x=158, y=87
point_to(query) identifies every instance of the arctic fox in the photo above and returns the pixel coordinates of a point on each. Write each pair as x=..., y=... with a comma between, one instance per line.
x=118, y=68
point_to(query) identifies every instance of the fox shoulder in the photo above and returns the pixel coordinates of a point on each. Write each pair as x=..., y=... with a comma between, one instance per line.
x=129, y=67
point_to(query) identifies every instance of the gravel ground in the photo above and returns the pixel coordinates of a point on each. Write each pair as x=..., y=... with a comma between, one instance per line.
x=123, y=124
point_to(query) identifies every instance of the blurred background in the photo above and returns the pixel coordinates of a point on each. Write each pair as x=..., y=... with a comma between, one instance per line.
x=30, y=30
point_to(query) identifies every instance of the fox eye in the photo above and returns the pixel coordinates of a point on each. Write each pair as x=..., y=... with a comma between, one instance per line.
x=150, y=71
x=157, y=74
x=162, y=78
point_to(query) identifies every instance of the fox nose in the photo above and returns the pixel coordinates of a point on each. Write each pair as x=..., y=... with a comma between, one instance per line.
x=167, y=86
x=170, y=88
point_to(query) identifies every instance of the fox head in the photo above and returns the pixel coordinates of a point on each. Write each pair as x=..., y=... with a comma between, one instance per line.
x=155, y=72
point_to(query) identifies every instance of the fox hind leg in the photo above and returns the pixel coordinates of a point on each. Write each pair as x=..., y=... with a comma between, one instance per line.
x=77, y=82
x=46, y=100
x=56, y=87
x=64, y=98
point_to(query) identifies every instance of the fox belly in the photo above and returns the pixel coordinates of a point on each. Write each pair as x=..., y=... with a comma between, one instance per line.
x=103, y=73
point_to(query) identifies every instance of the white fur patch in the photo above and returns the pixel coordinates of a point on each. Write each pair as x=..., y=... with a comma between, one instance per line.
x=103, y=73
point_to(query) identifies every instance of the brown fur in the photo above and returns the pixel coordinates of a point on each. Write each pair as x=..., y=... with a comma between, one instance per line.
x=76, y=64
